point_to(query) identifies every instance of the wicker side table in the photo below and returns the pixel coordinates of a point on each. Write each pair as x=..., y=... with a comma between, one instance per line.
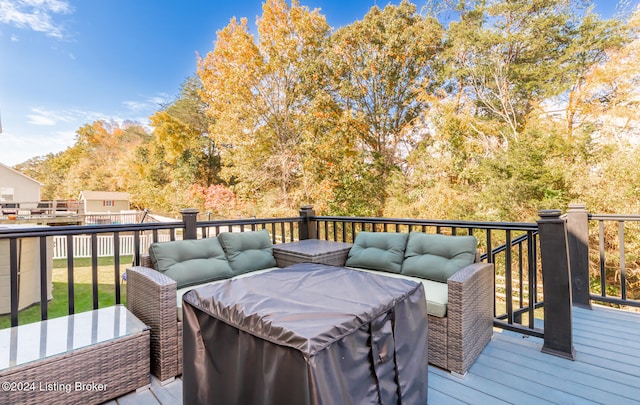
x=86, y=358
x=311, y=251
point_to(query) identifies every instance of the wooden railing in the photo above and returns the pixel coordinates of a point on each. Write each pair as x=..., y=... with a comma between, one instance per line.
x=47, y=207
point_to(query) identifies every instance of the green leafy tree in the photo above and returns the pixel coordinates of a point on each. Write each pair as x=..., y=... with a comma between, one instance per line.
x=502, y=65
x=181, y=128
x=377, y=67
x=508, y=57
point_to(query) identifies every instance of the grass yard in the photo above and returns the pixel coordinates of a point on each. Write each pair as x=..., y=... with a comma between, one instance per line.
x=83, y=300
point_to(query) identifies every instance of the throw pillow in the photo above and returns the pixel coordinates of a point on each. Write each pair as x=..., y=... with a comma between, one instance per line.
x=190, y=262
x=248, y=251
x=378, y=251
x=437, y=257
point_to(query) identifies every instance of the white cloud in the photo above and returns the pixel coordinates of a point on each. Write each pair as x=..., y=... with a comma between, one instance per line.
x=160, y=99
x=40, y=120
x=14, y=38
x=34, y=14
x=45, y=130
x=17, y=149
x=84, y=116
x=44, y=117
x=136, y=105
x=149, y=105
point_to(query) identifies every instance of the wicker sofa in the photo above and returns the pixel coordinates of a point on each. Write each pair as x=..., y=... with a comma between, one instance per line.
x=155, y=296
x=459, y=304
x=459, y=289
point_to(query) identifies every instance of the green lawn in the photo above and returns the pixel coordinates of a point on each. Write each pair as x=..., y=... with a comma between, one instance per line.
x=83, y=300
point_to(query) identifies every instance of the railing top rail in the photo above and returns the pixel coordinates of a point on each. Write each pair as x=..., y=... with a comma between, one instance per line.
x=29, y=232
x=248, y=221
x=520, y=226
x=614, y=217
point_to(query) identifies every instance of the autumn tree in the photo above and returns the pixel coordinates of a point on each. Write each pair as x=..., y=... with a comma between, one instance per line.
x=605, y=113
x=100, y=157
x=216, y=200
x=51, y=171
x=606, y=99
x=179, y=153
x=516, y=106
x=257, y=90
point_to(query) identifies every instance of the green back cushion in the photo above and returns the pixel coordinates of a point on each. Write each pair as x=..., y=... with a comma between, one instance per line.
x=190, y=262
x=248, y=251
x=378, y=251
x=437, y=257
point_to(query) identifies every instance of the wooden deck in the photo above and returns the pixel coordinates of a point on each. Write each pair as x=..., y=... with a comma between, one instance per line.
x=512, y=370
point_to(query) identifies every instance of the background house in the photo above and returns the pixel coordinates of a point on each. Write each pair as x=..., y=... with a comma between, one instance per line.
x=102, y=202
x=16, y=187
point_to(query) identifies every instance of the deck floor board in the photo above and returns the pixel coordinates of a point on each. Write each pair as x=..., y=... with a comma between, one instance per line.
x=513, y=370
x=587, y=364
x=573, y=384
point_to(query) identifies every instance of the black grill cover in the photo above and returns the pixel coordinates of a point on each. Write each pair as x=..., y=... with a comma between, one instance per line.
x=306, y=334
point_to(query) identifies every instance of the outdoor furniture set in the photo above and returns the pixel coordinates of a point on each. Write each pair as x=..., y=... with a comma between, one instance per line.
x=458, y=288
x=86, y=358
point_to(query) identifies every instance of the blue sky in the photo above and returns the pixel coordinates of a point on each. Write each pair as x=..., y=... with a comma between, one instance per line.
x=64, y=63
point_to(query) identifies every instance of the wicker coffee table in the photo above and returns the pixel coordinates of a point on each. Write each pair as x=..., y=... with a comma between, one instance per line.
x=86, y=358
x=311, y=251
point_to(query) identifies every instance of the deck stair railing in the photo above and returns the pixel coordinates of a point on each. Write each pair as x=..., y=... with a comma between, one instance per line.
x=605, y=257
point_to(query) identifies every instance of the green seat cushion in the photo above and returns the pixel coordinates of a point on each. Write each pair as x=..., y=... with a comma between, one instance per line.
x=248, y=251
x=437, y=257
x=436, y=293
x=382, y=251
x=190, y=262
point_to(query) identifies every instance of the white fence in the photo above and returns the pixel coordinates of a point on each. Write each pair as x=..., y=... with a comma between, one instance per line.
x=82, y=245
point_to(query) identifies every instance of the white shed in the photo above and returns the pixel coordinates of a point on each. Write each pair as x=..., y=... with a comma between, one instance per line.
x=102, y=202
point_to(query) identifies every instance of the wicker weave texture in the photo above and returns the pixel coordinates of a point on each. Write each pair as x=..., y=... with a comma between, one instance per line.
x=151, y=296
x=470, y=314
x=311, y=251
x=438, y=341
x=284, y=259
x=120, y=365
x=179, y=326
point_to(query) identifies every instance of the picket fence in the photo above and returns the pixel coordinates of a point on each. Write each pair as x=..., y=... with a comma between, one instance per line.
x=82, y=245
